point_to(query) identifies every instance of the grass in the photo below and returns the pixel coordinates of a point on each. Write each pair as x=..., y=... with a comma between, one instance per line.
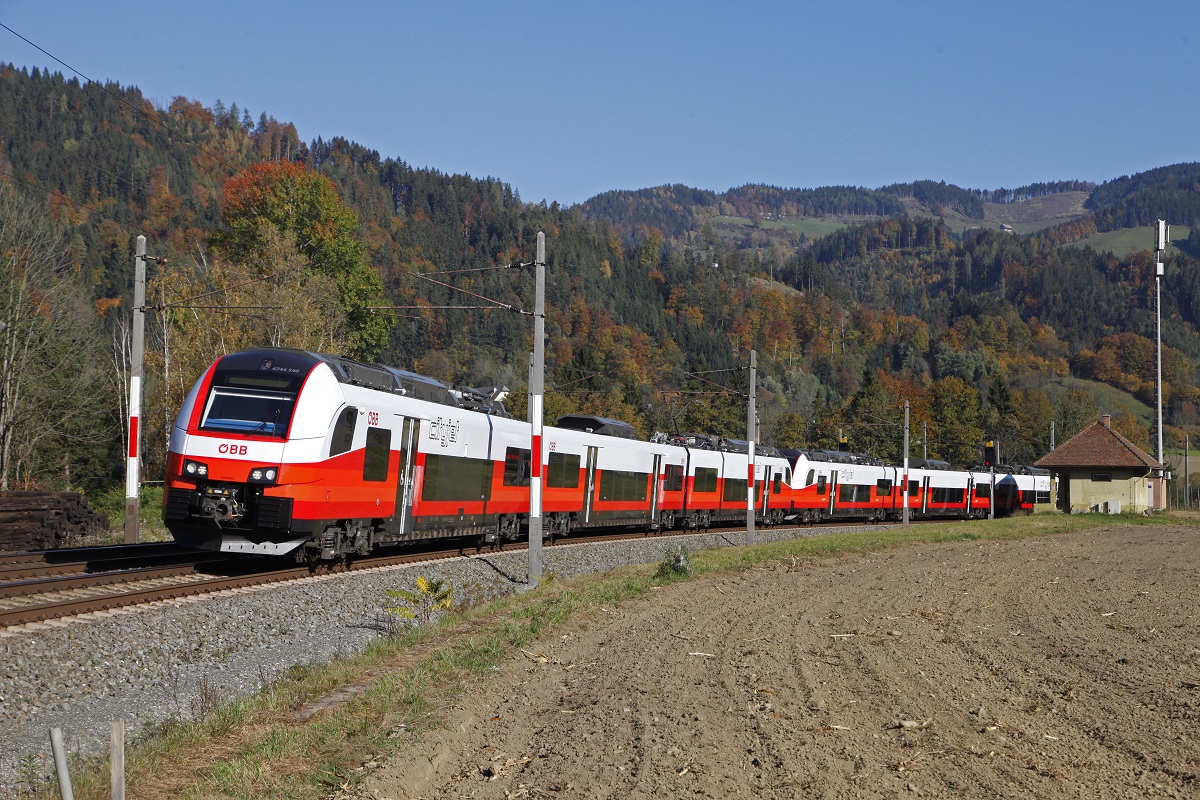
x=263, y=747
x=810, y=227
x=1130, y=240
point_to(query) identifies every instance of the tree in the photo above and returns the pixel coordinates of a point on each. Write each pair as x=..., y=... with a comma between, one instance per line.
x=47, y=351
x=285, y=199
x=957, y=437
x=1074, y=410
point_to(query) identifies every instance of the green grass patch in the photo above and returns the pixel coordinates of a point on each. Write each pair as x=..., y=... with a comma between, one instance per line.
x=264, y=747
x=1130, y=240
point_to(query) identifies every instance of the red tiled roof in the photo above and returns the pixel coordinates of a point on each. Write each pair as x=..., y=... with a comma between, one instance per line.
x=1098, y=445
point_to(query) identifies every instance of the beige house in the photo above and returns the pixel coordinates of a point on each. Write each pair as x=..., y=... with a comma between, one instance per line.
x=1098, y=469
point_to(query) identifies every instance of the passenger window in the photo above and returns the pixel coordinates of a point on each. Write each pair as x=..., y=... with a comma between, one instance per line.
x=516, y=467
x=343, y=432
x=821, y=484
x=378, y=454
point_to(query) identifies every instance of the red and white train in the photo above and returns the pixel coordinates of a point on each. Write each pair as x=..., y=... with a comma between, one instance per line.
x=286, y=451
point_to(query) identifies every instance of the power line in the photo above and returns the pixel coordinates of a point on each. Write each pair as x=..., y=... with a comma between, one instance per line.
x=120, y=99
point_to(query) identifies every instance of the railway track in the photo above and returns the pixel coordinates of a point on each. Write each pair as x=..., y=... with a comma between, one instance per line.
x=37, y=587
x=78, y=591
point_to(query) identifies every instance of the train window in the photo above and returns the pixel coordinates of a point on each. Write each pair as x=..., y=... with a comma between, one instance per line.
x=787, y=475
x=343, y=431
x=623, y=485
x=820, y=483
x=516, y=467
x=883, y=487
x=811, y=474
x=247, y=411
x=946, y=494
x=563, y=471
x=777, y=486
x=854, y=493
x=733, y=490
x=377, y=455
x=458, y=479
x=983, y=491
x=705, y=480
x=674, y=481
x=914, y=488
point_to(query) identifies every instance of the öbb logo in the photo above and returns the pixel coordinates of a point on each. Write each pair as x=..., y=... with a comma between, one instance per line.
x=232, y=449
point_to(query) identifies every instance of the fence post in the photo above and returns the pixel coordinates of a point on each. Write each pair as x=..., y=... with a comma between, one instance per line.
x=60, y=764
x=117, y=759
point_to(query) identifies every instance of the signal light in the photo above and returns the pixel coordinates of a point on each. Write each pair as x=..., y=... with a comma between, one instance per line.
x=989, y=454
x=844, y=445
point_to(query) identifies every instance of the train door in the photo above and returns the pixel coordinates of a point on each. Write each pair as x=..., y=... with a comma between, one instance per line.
x=833, y=489
x=589, y=498
x=770, y=486
x=408, y=428
x=656, y=487
x=925, y=495
x=970, y=494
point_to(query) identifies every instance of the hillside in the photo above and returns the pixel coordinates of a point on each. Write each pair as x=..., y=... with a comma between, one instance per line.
x=855, y=299
x=1036, y=213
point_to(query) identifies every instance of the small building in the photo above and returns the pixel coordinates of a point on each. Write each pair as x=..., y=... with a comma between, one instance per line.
x=1098, y=469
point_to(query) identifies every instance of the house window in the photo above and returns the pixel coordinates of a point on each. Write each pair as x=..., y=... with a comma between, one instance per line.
x=1101, y=477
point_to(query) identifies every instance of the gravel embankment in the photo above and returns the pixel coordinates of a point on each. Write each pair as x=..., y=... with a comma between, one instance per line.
x=173, y=661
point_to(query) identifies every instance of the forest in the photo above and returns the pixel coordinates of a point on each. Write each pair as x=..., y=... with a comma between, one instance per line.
x=260, y=237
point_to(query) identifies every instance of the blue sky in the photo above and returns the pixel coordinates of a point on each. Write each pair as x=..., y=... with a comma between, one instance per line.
x=564, y=100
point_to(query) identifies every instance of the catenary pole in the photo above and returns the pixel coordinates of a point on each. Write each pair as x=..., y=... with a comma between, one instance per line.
x=751, y=414
x=1162, y=234
x=905, y=472
x=132, y=472
x=536, y=392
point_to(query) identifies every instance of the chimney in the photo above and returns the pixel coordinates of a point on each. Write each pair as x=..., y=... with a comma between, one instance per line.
x=1107, y=420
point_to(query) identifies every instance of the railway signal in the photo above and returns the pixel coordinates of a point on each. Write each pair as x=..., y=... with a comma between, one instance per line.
x=989, y=454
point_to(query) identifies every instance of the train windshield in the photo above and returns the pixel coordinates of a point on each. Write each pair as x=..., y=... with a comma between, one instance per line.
x=250, y=403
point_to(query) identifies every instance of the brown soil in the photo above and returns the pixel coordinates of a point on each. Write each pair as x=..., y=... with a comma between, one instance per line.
x=1062, y=666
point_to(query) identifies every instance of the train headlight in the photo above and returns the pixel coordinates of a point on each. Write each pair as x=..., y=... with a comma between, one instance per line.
x=194, y=469
x=265, y=475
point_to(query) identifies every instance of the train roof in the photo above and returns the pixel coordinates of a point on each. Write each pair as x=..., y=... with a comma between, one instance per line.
x=589, y=423
x=378, y=377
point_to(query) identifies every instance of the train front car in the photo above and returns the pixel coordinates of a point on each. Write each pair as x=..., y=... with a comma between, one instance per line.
x=243, y=448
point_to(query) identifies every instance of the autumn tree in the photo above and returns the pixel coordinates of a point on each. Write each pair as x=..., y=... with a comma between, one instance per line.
x=283, y=199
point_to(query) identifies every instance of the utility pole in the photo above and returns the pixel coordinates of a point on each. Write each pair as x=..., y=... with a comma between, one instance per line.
x=1052, y=436
x=1161, y=237
x=1187, y=488
x=536, y=391
x=132, y=472
x=751, y=414
x=905, y=494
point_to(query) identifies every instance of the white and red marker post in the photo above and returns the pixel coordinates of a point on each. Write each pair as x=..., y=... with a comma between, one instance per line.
x=132, y=471
x=537, y=371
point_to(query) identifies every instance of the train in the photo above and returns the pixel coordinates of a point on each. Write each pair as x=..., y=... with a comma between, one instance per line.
x=284, y=452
